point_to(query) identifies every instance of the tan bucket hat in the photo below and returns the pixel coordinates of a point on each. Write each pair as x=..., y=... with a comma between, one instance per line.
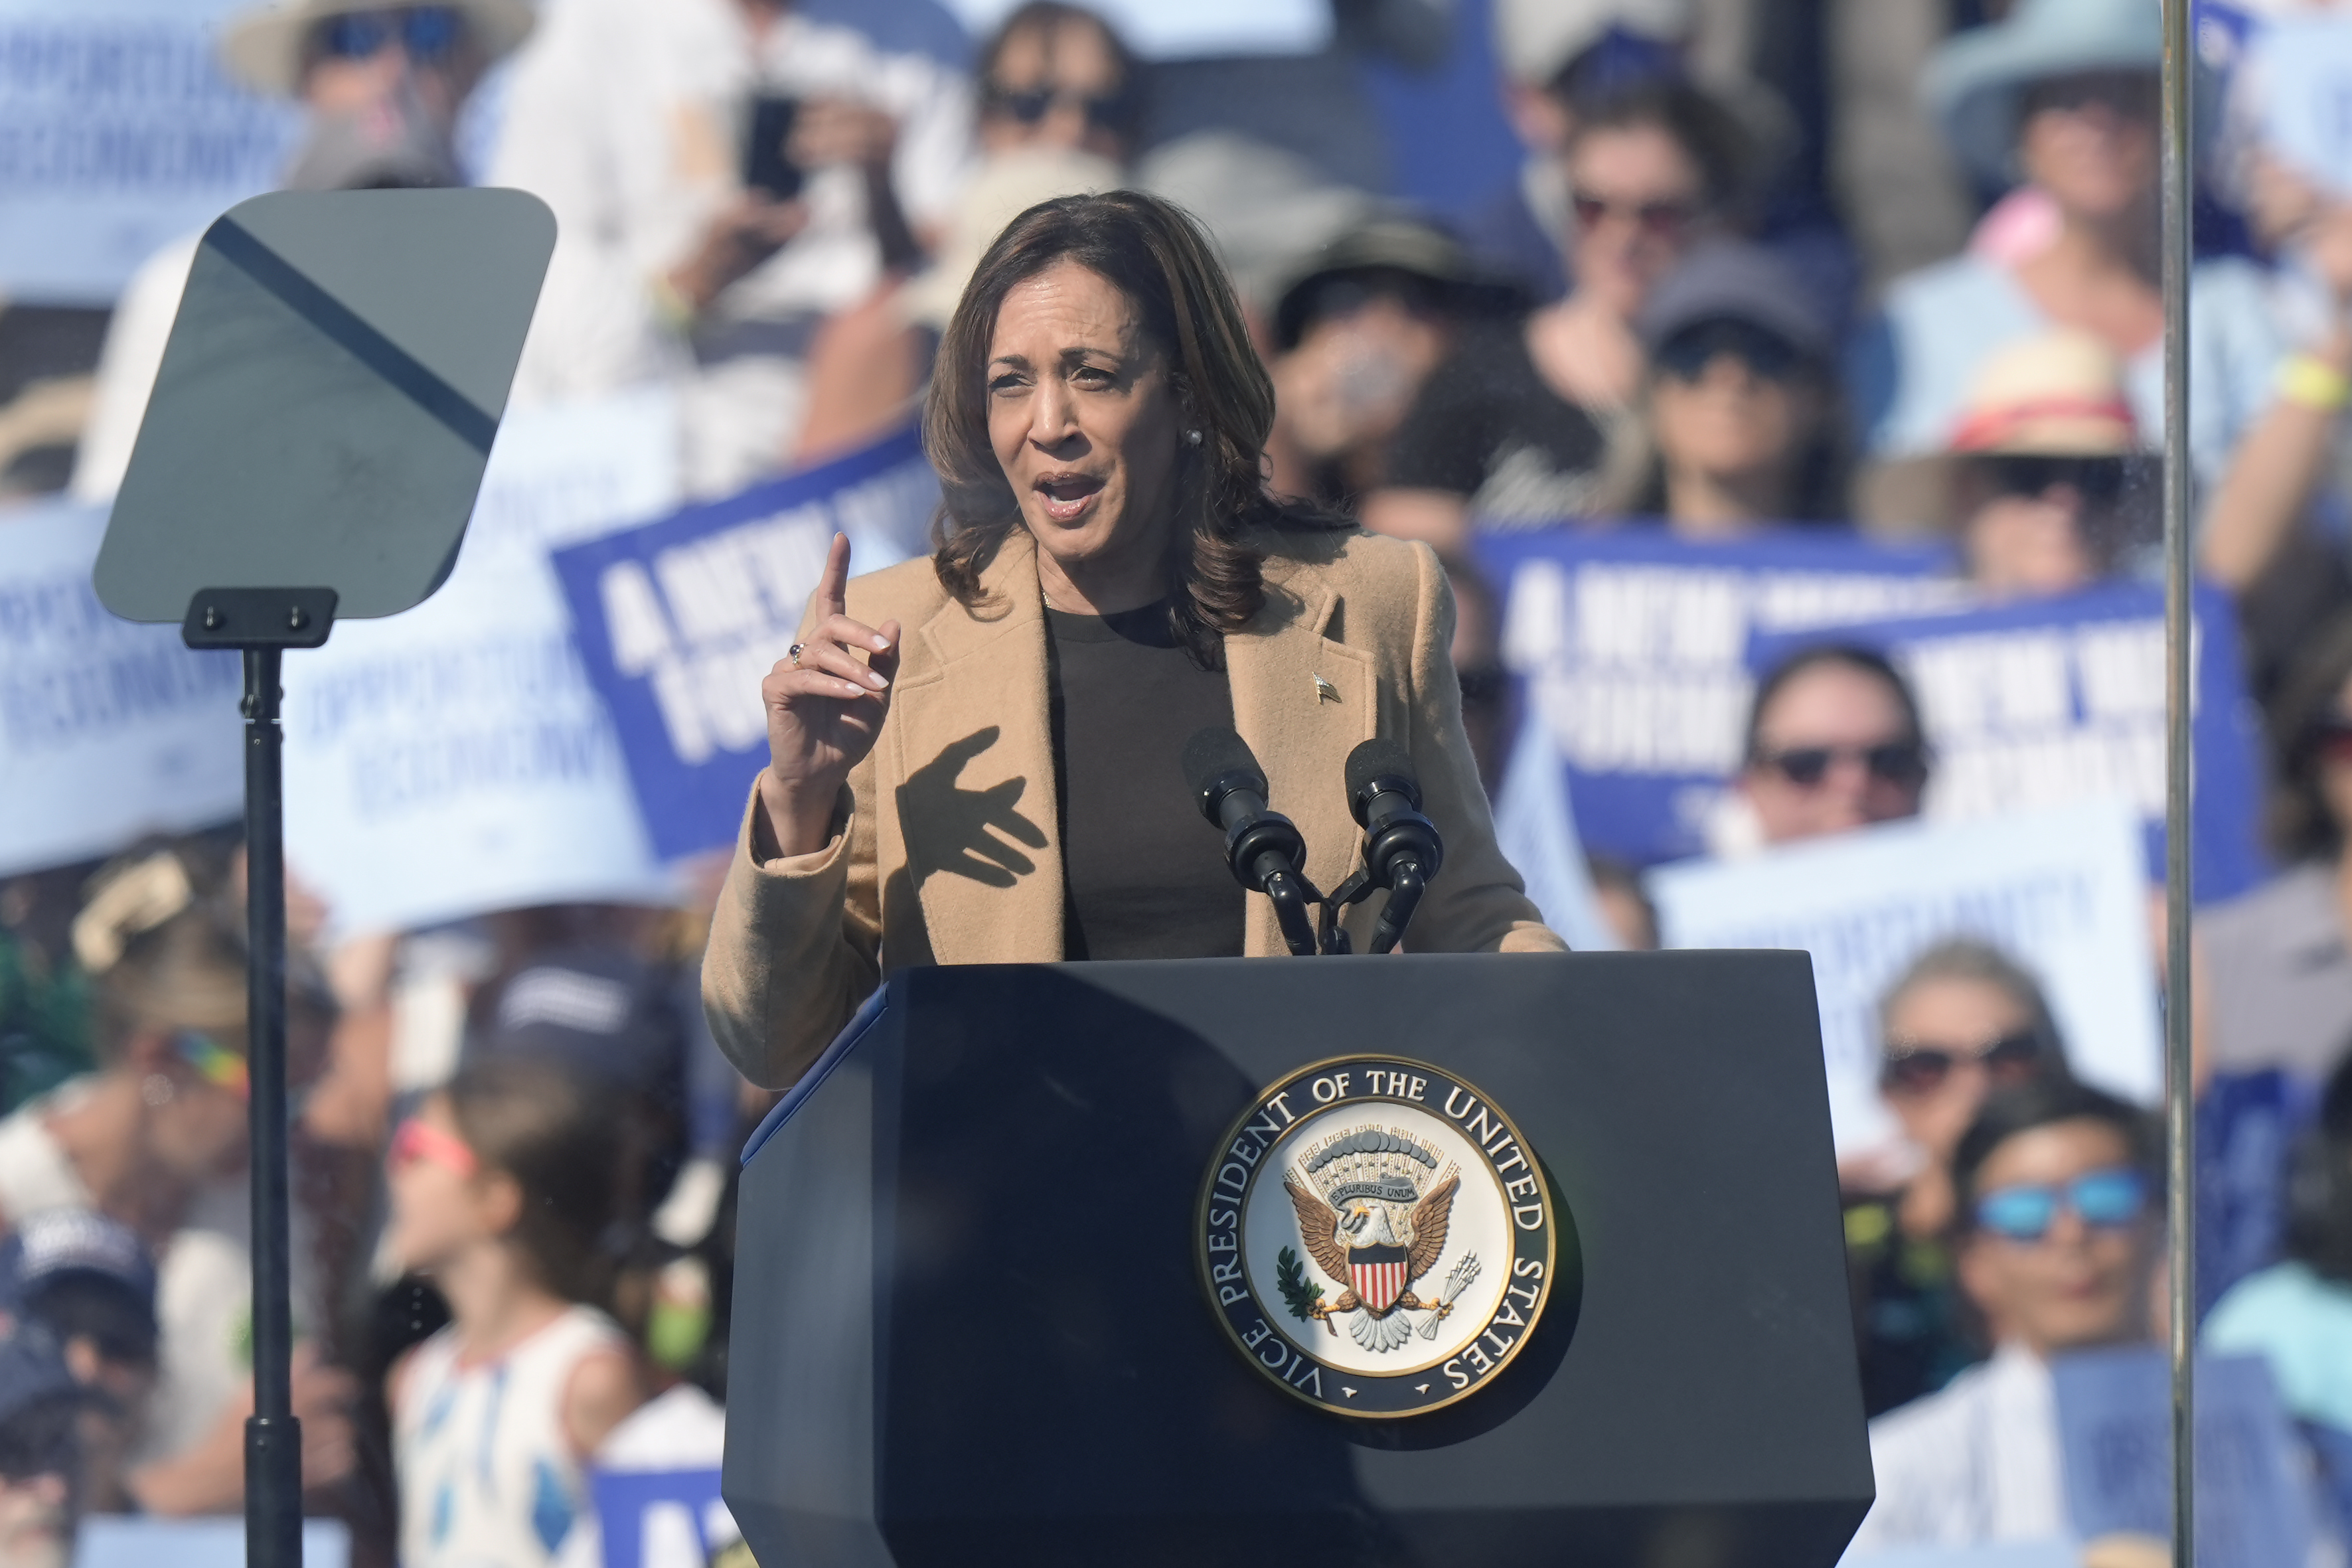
x=262, y=45
x=2057, y=395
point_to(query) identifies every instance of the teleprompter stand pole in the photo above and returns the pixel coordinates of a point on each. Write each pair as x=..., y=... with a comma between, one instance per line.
x=261, y=623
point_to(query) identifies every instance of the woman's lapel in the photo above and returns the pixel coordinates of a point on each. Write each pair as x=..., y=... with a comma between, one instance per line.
x=1302, y=701
x=976, y=803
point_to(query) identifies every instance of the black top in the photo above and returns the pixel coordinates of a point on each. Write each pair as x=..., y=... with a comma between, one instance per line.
x=1488, y=427
x=1144, y=872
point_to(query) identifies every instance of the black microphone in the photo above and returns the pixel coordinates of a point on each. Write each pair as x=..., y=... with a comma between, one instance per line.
x=1262, y=848
x=1401, y=848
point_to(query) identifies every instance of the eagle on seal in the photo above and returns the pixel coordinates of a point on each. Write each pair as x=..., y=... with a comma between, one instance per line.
x=1360, y=1250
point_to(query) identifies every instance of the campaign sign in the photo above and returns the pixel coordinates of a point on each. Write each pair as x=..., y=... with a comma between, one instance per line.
x=107, y=729
x=2040, y=701
x=2114, y=1435
x=661, y=1519
x=681, y=619
x=2060, y=891
x=453, y=759
x=1633, y=646
x=119, y=132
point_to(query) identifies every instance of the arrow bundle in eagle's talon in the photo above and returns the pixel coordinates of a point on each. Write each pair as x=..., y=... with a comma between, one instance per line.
x=1455, y=1283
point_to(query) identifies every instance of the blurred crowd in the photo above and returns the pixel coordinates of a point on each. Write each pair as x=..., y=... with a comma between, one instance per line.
x=1766, y=268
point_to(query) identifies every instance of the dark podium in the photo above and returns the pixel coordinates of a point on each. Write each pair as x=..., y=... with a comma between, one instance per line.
x=970, y=1327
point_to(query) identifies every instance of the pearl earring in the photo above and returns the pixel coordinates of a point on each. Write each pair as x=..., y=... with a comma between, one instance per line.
x=1191, y=437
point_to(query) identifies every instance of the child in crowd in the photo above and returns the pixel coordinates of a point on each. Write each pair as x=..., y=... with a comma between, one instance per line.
x=503, y=1188
x=155, y=1140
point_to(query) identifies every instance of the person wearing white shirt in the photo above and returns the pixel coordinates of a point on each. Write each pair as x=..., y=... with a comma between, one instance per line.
x=2059, y=1243
x=629, y=117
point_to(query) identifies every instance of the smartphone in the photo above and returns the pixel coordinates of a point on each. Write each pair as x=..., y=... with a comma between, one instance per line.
x=765, y=166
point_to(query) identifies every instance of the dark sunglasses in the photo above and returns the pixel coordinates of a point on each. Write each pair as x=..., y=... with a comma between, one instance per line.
x=1686, y=354
x=425, y=33
x=1662, y=220
x=2105, y=1200
x=1922, y=1069
x=1030, y=106
x=1898, y=762
x=2099, y=480
x=2134, y=95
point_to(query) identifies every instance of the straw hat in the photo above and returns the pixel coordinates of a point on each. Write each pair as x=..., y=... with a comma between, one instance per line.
x=1974, y=84
x=2058, y=396
x=262, y=47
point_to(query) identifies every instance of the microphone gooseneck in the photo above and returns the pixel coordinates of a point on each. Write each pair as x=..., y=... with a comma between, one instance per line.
x=1402, y=849
x=1263, y=849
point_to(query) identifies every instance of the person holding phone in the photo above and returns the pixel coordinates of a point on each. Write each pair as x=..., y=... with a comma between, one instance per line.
x=726, y=175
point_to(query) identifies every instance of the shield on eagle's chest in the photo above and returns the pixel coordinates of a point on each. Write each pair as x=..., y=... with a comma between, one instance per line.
x=1377, y=1275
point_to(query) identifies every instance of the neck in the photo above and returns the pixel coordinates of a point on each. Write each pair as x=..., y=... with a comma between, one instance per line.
x=1703, y=505
x=493, y=1299
x=103, y=1138
x=1112, y=582
x=2125, y=242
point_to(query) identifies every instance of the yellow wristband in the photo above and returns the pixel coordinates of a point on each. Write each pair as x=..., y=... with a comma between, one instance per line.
x=2309, y=382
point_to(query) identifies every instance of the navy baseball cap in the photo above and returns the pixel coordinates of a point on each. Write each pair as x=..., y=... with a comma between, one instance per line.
x=75, y=1245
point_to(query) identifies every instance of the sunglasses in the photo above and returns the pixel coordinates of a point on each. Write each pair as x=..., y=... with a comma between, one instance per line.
x=1896, y=762
x=1922, y=1069
x=2104, y=1200
x=425, y=33
x=1686, y=354
x=213, y=1062
x=418, y=1140
x=2134, y=95
x=1031, y=105
x=1660, y=220
x=2099, y=480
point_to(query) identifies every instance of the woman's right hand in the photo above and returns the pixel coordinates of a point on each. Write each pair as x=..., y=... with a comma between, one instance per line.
x=825, y=711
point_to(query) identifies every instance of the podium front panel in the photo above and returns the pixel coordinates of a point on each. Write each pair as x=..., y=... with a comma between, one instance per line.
x=970, y=1327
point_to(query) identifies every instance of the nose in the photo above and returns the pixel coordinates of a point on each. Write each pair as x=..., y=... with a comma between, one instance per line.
x=1053, y=414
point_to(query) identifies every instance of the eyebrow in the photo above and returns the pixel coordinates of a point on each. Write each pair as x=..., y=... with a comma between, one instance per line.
x=1069, y=357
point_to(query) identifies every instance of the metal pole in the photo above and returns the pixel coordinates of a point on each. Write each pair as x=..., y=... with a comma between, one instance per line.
x=273, y=1439
x=2180, y=1195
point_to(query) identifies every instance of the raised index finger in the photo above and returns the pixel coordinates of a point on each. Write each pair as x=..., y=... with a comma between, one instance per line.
x=832, y=595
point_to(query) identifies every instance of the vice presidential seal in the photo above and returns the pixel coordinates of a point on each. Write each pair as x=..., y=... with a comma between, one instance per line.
x=1375, y=1236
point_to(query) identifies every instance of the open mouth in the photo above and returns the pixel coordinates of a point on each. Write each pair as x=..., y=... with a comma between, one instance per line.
x=1066, y=497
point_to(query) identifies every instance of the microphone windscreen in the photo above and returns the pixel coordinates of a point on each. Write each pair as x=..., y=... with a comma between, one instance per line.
x=1377, y=760
x=1215, y=751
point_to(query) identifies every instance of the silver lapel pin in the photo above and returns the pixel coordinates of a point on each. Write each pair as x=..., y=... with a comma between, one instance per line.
x=1325, y=691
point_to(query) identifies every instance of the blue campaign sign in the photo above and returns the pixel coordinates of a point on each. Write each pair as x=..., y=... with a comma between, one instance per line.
x=2040, y=702
x=680, y=620
x=2115, y=1435
x=1633, y=646
x=120, y=132
x=658, y=1519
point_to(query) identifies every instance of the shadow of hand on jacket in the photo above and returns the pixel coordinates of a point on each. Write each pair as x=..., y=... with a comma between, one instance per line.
x=955, y=822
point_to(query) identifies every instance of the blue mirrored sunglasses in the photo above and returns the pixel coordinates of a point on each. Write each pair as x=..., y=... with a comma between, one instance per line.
x=2105, y=1200
x=424, y=32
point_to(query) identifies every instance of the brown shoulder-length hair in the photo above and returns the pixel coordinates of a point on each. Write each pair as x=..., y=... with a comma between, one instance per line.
x=1156, y=253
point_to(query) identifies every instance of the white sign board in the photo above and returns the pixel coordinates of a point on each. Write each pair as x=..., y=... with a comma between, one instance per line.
x=2063, y=893
x=452, y=760
x=107, y=729
x=1196, y=29
x=119, y=132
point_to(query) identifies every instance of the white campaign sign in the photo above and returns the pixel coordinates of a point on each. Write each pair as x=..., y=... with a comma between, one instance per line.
x=117, y=133
x=107, y=729
x=454, y=759
x=2063, y=893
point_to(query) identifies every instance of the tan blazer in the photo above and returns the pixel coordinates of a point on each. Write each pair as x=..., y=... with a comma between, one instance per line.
x=950, y=855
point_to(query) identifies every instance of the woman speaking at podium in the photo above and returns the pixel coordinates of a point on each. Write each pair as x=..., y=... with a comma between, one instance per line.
x=974, y=758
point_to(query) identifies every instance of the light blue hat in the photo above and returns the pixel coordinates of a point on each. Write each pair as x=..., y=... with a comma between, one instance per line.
x=1975, y=83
